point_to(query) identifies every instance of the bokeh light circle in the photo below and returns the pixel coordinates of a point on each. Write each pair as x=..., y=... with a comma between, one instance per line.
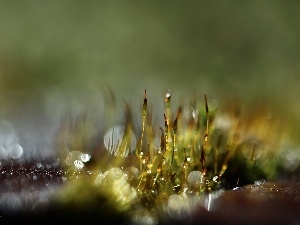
x=118, y=141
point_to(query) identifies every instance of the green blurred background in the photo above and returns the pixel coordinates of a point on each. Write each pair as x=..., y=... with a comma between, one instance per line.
x=66, y=54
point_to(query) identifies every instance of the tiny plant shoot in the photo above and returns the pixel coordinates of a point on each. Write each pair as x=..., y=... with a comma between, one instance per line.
x=201, y=148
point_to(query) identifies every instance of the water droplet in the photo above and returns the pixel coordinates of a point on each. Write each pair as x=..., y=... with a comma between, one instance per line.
x=177, y=206
x=85, y=157
x=78, y=164
x=223, y=122
x=196, y=179
x=117, y=143
x=15, y=151
x=259, y=182
x=116, y=173
x=252, y=149
x=195, y=113
x=34, y=177
x=133, y=174
x=77, y=159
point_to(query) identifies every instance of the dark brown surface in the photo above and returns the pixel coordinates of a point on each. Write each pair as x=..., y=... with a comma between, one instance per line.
x=270, y=203
x=260, y=203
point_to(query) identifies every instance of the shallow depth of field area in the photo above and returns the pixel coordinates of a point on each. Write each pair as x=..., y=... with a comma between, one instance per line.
x=148, y=109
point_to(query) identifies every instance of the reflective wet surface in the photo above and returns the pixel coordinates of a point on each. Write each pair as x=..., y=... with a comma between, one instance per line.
x=30, y=192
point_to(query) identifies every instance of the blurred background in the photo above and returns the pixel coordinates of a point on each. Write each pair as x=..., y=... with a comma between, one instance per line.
x=66, y=55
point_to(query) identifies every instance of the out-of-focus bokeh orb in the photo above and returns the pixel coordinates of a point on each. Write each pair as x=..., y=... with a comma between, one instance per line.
x=118, y=142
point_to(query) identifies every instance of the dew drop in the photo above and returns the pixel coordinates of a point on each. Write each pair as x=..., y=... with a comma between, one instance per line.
x=195, y=179
x=117, y=143
x=177, y=206
x=85, y=157
x=174, y=203
x=77, y=159
x=15, y=151
x=78, y=164
x=252, y=149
